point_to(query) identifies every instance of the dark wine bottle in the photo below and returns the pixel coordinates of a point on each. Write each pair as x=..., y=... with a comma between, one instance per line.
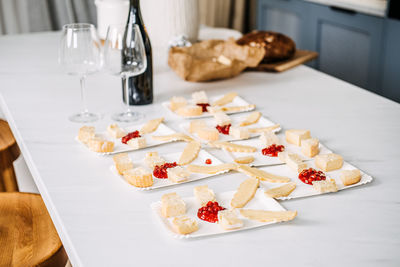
x=141, y=86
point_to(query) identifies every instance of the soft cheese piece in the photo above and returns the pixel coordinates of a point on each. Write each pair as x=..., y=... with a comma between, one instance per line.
x=137, y=143
x=293, y=161
x=262, y=175
x=350, y=177
x=268, y=216
x=325, y=186
x=151, y=126
x=152, y=159
x=229, y=220
x=329, y=162
x=207, y=133
x=190, y=153
x=172, y=205
x=269, y=138
x=281, y=191
x=177, y=102
x=200, y=97
x=122, y=162
x=226, y=99
x=203, y=194
x=245, y=193
x=222, y=119
x=189, y=110
x=251, y=119
x=86, y=133
x=100, y=145
x=295, y=136
x=310, y=147
x=115, y=131
x=196, y=125
x=177, y=174
x=184, y=225
x=139, y=177
x=239, y=133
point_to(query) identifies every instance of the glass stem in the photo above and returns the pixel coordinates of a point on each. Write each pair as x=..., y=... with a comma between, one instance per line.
x=128, y=108
x=83, y=96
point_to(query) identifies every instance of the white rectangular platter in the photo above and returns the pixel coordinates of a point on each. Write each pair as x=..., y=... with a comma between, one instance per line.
x=261, y=160
x=119, y=147
x=260, y=201
x=237, y=101
x=173, y=157
x=305, y=190
x=235, y=121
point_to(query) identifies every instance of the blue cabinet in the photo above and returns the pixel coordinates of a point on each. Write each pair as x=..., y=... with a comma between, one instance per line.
x=349, y=44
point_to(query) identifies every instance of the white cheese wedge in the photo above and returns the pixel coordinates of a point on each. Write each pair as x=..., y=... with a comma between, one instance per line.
x=310, y=147
x=172, y=205
x=203, y=194
x=200, y=97
x=228, y=220
x=269, y=138
x=222, y=119
x=295, y=162
x=296, y=136
x=177, y=174
x=239, y=133
x=329, y=162
x=115, y=131
x=137, y=143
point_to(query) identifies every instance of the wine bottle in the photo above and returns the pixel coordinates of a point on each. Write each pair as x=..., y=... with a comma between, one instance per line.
x=141, y=86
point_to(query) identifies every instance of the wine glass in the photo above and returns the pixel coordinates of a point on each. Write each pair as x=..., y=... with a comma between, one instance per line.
x=125, y=55
x=80, y=54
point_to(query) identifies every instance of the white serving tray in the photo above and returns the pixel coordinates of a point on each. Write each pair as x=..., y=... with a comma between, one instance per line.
x=260, y=201
x=305, y=190
x=235, y=121
x=173, y=157
x=237, y=101
x=119, y=147
x=261, y=160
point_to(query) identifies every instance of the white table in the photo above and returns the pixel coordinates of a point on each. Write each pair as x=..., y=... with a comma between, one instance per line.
x=104, y=222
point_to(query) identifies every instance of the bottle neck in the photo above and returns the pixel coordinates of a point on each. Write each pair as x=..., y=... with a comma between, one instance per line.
x=134, y=11
x=135, y=4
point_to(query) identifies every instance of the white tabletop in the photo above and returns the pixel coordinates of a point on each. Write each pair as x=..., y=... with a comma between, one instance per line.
x=104, y=222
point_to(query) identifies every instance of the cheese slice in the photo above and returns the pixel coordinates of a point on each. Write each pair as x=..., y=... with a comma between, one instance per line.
x=245, y=193
x=281, y=191
x=329, y=162
x=184, y=225
x=190, y=153
x=177, y=174
x=262, y=175
x=226, y=99
x=221, y=119
x=310, y=147
x=264, y=129
x=172, y=205
x=203, y=194
x=173, y=137
x=325, y=186
x=233, y=109
x=115, y=131
x=228, y=220
x=151, y=126
x=200, y=97
x=244, y=160
x=295, y=136
x=137, y=143
x=268, y=216
x=251, y=119
x=232, y=147
x=122, y=162
x=214, y=169
x=350, y=177
x=269, y=138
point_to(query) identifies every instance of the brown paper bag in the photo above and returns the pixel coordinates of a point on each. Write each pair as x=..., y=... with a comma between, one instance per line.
x=213, y=60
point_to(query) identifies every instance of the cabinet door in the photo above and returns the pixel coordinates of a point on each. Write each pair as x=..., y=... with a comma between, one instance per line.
x=349, y=46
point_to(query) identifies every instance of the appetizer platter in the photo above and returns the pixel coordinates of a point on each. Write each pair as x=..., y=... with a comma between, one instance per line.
x=200, y=106
x=207, y=213
x=117, y=140
x=229, y=128
x=158, y=171
x=269, y=145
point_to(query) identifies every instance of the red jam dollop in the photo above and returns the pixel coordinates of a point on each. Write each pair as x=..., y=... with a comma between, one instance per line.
x=308, y=176
x=223, y=129
x=130, y=136
x=208, y=161
x=272, y=150
x=203, y=106
x=209, y=213
x=160, y=171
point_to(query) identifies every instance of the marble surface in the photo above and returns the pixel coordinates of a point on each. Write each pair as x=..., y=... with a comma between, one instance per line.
x=104, y=222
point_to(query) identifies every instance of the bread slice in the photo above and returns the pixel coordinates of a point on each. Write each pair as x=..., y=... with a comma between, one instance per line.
x=138, y=177
x=245, y=193
x=122, y=162
x=172, y=205
x=268, y=216
x=251, y=119
x=228, y=220
x=350, y=177
x=281, y=191
x=203, y=194
x=115, y=131
x=226, y=99
x=190, y=153
x=262, y=175
x=86, y=133
x=151, y=126
x=184, y=225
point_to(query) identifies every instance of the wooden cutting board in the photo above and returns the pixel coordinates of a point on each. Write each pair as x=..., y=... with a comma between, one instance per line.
x=300, y=57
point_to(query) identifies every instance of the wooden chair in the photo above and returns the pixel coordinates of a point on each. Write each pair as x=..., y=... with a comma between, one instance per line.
x=27, y=234
x=9, y=152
